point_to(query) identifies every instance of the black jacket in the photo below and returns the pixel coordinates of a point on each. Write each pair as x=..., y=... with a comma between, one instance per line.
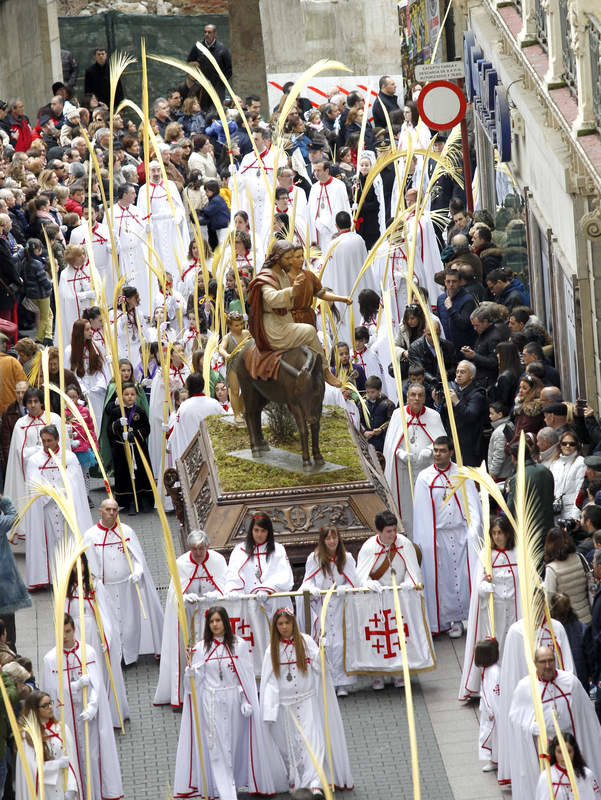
x=504, y=389
x=485, y=359
x=222, y=56
x=420, y=354
x=390, y=102
x=380, y=411
x=471, y=414
x=97, y=81
x=456, y=320
x=9, y=276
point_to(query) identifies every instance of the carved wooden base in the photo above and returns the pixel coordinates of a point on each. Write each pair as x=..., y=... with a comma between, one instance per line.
x=297, y=512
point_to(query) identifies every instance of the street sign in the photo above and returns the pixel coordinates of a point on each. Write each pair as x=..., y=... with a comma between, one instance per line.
x=446, y=71
x=441, y=105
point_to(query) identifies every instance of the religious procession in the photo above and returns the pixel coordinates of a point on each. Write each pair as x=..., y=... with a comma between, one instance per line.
x=197, y=603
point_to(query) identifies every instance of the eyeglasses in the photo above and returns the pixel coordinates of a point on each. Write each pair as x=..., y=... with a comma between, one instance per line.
x=46, y=705
x=569, y=444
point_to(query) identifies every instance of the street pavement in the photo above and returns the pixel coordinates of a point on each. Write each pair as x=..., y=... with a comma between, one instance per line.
x=375, y=722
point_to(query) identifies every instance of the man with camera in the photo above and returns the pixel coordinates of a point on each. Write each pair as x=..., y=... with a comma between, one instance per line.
x=470, y=409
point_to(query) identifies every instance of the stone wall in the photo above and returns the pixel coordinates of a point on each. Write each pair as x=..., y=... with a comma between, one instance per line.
x=83, y=8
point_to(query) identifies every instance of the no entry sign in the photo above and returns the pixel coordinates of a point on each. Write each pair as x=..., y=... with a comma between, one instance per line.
x=441, y=105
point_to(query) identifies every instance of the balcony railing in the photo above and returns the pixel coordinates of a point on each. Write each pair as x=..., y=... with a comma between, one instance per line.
x=595, y=54
x=569, y=59
x=540, y=17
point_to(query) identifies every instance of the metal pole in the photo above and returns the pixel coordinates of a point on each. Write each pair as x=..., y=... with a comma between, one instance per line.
x=467, y=167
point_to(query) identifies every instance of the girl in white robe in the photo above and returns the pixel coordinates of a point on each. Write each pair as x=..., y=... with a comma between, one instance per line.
x=328, y=564
x=59, y=755
x=291, y=689
x=87, y=362
x=260, y=565
x=75, y=290
x=504, y=585
x=586, y=781
x=130, y=323
x=486, y=659
x=235, y=744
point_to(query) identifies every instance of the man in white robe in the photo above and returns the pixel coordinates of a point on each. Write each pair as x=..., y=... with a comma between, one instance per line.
x=44, y=522
x=202, y=574
x=99, y=244
x=108, y=563
x=105, y=771
x=390, y=267
x=562, y=693
x=423, y=427
x=170, y=234
x=328, y=196
x=426, y=261
x=342, y=269
x=190, y=414
x=255, y=183
x=75, y=290
x=130, y=229
x=447, y=533
x=24, y=442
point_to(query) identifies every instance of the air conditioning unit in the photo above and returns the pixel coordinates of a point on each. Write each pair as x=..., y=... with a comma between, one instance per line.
x=517, y=122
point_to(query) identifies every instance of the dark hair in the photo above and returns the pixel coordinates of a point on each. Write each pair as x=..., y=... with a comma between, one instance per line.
x=68, y=620
x=195, y=383
x=373, y=382
x=252, y=98
x=352, y=99
x=369, y=304
x=384, y=519
x=323, y=555
x=414, y=112
x=499, y=408
x=123, y=189
x=486, y=653
x=499, y=274
x=561, y=609
x=50, y=430
x=444, y=440
x=212, y=186
x=558, y=545
x=485, y=217
x=578, y=762
x=228, y=634
x=535, y=349
x=414, y=310
x=85, y=574
x=2, y=627
x=343, y=220
x=456, y=205
x=31, y=393
x=509, y=358
x=263, y=520
x=521, y=314
x=362, y=333
x=592, y=513
x=484, y=233
x=507, y=528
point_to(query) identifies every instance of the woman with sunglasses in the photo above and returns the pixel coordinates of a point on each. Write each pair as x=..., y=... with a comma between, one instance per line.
x=568, y=470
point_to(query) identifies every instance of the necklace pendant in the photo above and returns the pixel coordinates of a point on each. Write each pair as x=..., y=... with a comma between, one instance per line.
x=322, y=205
x=258, y=572
x=220, y=673
x=289, y=676
x=259, y=172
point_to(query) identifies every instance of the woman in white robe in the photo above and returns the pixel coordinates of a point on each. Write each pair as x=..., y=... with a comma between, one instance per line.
x=291, y=689
x=235, y=744
x=586, y=781
x=75, y=290
x=87, y=362
x=59, y=755
x=328, y=564
x=504, y=585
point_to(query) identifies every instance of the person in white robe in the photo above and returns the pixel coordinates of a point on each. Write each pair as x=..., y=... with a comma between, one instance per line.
x=255, y=180
x=297, y=200
x=447, y=533
x=44, y=522
x=170, y=234
x=97, y=602
x=96, y=238
x=201, y=574
x=366, y=162
x=75, y=290
x=489, y=711
x=423, y=427
x=562, y=693
x=130, y=229
x=130, y=324
x=504, y=585
x=108, y=563
x=514, y=668
x=105, y=771
x=94, y=383
x=330, y=563
x=190, y=414
x=259, y=565
x=24, y=442
x=327, y=197
x=586, y=781
x=61, y=754
x=237, y=749
x=289, y=689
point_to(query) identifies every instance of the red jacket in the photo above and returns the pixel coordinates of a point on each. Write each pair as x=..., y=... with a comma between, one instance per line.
x=20, y=126
x=72, y=206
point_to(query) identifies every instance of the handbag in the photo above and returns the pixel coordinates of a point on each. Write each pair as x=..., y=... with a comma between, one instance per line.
x=558, y=505
x=592, y=584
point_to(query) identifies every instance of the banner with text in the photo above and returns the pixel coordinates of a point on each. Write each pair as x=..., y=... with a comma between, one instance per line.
x=371, y=637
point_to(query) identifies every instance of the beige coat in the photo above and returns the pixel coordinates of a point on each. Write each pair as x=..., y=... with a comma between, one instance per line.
x=568, y=577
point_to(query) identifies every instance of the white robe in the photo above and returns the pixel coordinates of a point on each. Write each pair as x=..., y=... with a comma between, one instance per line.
x=24, y=442
x=108, y=563
x=237, y=750
x=53, y=776
x=588, y=787
x=513, y=669
x=447, y=543
x=489, y=710
x=44, y=523
x=93, y=386
x=129, y=326
x=422, y=430
x=100, y=246
x=302, y=696
x=129, y=230
x=576, y=714
x=390, y=269
x=110, y=645
x=187, y=422
x=340, y=274
x=75, y=294
x=253, y=194
x=104, y=763
x=404, y=561
x=426, y=261
x=325, y=201
x=255, y=572
x=170, y=234
x=200, y=579
x=368, y=359
x=507, y=609
x=315, y=577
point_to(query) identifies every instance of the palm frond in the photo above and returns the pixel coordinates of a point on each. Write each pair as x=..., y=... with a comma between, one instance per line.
x=18, y=739
x=321, y=66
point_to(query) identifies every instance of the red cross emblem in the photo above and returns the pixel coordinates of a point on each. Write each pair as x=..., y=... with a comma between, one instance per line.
x=497, y=690
x=389, y=633
x=240, y=628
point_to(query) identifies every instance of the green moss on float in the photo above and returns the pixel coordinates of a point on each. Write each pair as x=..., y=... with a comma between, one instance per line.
x=237, y=474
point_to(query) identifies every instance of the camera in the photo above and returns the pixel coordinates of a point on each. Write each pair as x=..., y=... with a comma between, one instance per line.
x=568, y=525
